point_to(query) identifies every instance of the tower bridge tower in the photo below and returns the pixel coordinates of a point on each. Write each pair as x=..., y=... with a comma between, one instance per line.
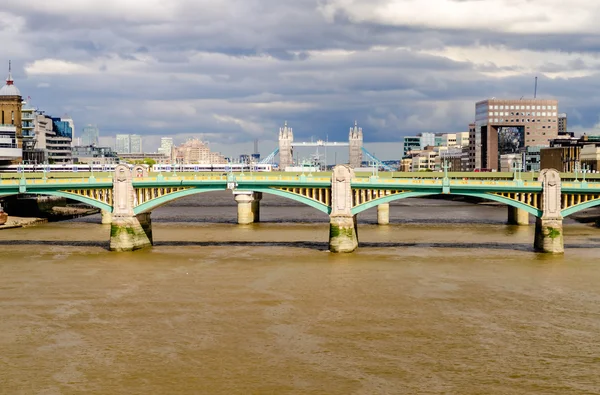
x=355, y=139
x=286, y=153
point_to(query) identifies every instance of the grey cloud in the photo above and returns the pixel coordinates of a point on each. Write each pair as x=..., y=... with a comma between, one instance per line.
x=258, y=62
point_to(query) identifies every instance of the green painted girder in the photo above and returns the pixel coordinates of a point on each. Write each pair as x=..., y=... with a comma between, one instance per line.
x=290, y=195
x=458, y=187
x=579, y=207
x=465, y=192
x=79, y=198
x=155, y=203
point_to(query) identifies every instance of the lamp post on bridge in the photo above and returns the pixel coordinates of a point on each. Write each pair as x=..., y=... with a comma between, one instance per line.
x=517, y=168
x=586, y=169
x=576, y=170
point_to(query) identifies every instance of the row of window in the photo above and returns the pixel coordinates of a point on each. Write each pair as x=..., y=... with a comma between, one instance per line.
x=502, y=107
x=524, y=120
x=529, y=114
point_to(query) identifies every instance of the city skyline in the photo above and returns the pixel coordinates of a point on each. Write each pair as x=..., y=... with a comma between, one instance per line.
x=398, y=74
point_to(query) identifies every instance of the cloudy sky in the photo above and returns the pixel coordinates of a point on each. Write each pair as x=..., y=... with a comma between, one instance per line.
x=235, y=70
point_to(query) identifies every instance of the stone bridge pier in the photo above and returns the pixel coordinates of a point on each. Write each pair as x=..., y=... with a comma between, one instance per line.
x=342, y=224
x=549, y=227
x=128, y=231
x=517, y=216
x=248, y=206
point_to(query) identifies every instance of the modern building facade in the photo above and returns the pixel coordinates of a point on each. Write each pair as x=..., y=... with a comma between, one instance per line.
x=506, y=126
x=91, y=154
x=53, y=138
x=128, y=144
x=89, y=135
x=135, y=144
x=166, y=146
x=71, y=124
x=562, y=125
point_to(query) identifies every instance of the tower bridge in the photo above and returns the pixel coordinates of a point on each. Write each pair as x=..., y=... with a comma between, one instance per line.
x=128, y=198
x=287, y=144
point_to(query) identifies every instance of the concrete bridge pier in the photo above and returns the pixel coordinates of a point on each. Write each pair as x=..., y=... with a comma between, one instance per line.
x=106, y=217
x=128, y=231
x=248, y=206
x=342, y=224
x=517, y=216
x=383, y=214
x=549, y=228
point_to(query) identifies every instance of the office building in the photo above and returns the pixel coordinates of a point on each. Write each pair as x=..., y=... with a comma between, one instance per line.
x=53, y=139
x=562, y=126
x=122, y=144
x=71, y=124
x=197, y=152
x=166, y=146
x=506, y=126
x=94, y=155
x=135, y=144
x=89, y=135
x=128, y=144
x=564, y=153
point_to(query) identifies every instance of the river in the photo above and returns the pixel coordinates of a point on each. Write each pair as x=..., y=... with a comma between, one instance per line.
x=447, y=299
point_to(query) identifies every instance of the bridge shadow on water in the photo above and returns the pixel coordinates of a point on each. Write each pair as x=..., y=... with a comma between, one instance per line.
x=319, y=246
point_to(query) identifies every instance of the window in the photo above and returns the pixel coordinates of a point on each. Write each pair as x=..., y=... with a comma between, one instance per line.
x=543, y=114
x=512, y=107
x=528, y=108
x=543, y=107
x=502, y=107
x=538, y=107
x=539, y=114
x=554, y=107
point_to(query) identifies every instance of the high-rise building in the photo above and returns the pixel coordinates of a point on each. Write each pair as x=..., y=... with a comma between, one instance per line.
x=69, y=120
x=562, y=125
x=128, y=144
x=53, y=138
x=122, y=145
x=507, y=126
x=135, y=144
x=10, y=120
x=166, y=146
x=89, y=135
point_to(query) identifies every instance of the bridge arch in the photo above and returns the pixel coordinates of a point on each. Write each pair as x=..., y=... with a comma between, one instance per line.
x=82, y=199
x=579, y=207
x=487, y=196
x=162, y=200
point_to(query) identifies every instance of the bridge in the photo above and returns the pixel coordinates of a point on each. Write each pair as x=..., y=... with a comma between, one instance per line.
x=287, y=144
x=128, y=198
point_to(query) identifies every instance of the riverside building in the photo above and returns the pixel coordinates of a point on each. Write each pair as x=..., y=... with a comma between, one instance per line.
x=507, y=126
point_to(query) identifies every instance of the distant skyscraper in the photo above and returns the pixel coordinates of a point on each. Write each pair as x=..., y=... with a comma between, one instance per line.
x=123, y=144
x=89, y=135
x=135, y=144
x=166, y=146
x=69, y=120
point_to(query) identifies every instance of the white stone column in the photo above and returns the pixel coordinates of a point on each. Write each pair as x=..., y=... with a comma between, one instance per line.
x=517, y=216
x=342, y=224
x=549, y=228
x=383, y=214
x=248, y=210
x=128, y=232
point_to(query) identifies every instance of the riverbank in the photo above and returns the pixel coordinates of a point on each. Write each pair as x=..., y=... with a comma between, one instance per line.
x=22, y=222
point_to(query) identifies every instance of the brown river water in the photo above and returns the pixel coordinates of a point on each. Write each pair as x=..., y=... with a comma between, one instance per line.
x=447, y=299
